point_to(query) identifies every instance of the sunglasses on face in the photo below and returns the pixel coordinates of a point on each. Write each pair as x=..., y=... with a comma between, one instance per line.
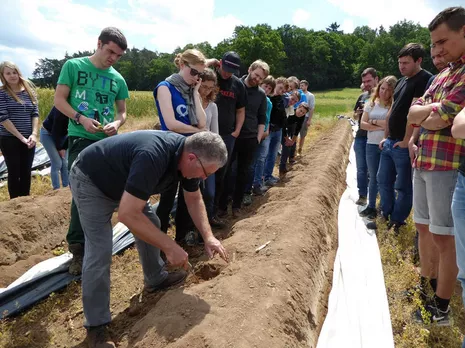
x=195, y=72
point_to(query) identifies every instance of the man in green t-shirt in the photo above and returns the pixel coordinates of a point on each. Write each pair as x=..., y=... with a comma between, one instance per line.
x=87, y=91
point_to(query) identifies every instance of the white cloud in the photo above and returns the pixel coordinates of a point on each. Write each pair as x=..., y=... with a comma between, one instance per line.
x=49, y=28
x=347, y=26
x=388, y=12
x=301, y=18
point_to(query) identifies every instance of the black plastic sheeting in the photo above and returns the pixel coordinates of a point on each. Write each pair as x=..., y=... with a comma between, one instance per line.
x=41, y=160
x=19, y=298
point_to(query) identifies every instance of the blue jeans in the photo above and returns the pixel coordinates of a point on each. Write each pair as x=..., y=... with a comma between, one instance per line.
x=209, y=194
x=372, y=157
x=458, y=214
x=360, y=145
x=275, y=140
x=262, y=154
x=395, y=174
x=58, y=163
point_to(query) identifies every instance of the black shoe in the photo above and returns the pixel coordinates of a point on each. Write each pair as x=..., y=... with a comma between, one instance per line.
x=362, y=200
x=432, y=314
x=396, y=226
x=369, y=213
x=410, y=294
x=173, y=279
x=99, y=337
x=222, y=213
x=247, y=199
x=259, y=190
x=215, y=222
x=372, y=225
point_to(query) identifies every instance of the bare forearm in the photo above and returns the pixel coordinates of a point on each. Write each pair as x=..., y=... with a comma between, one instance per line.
x=240, y=117
x=198, y=213
x=418, y=113
x=369, y=127
x=179, y=127
x=35, y=126
x=200, y=112
x=145, y=230
x=408, y=133
x=415, y=135
x=261, y=130
x=63, y=106
x=458, y=128
x=434, y=123
x=10, y=127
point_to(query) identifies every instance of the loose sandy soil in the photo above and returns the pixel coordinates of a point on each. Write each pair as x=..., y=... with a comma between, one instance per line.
x=274, y=298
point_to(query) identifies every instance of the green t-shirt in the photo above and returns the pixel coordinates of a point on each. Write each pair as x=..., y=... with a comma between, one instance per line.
x=92, y=91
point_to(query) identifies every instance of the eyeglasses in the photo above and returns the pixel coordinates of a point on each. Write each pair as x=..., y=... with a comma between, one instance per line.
x=195, y=72
x=203, y=168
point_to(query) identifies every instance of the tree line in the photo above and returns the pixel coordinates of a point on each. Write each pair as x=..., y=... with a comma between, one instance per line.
x=327, y=59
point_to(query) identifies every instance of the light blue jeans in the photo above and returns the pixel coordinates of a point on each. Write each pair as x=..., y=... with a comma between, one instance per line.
x=458, y=214
x=59, y=165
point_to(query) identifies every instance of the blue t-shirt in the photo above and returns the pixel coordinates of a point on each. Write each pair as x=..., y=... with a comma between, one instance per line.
x=269, y=106
x=179, y=105
x=303, y=99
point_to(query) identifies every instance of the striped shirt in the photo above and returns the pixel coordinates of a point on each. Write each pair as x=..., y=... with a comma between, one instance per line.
x=19, y=114
x=438, y=150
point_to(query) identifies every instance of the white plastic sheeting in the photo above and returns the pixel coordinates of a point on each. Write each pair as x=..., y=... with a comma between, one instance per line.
x=358, y=311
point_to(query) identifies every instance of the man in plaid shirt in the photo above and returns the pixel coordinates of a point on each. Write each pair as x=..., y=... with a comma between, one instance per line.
x=438, y=159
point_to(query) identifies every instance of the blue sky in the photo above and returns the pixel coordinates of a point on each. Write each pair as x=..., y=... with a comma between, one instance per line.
x=34, y=29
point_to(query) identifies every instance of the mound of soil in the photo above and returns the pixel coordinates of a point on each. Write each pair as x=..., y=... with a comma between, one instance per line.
x=276, y=297
x=30, y=227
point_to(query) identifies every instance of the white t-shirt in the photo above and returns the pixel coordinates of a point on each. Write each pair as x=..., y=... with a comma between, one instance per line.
x=211, y=112
x=375, y=112
x=310, y=102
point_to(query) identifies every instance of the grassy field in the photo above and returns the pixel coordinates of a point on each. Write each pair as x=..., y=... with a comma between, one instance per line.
x=141, y=104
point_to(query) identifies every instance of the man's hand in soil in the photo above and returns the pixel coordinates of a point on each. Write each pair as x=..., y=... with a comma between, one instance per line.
x=178, y=257
x=213, y=246
x=112, y=128
x=90, y=124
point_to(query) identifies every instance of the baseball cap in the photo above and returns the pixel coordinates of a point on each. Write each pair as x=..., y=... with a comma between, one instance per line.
x=231, y=62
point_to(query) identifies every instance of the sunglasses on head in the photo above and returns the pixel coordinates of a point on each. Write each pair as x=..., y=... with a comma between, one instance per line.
x=195, y=72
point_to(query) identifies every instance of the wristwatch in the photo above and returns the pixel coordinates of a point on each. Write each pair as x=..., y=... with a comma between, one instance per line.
x=77, y=116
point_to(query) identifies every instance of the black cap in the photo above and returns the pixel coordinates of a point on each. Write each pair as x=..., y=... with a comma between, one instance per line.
x=231, y=62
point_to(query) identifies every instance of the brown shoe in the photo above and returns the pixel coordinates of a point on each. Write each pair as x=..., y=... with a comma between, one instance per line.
x=75, y=267
x=99, y=337
x=173, y=279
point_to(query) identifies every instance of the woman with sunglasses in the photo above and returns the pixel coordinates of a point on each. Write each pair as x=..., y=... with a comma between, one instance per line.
x=180, y=110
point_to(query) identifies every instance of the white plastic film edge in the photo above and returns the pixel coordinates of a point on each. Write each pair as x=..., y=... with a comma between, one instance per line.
x=358, y=310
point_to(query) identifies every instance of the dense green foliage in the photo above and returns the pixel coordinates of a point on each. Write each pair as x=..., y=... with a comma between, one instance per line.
x=327, y=59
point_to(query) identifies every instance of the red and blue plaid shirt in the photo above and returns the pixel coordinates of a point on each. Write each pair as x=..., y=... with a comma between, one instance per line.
x=438, y=150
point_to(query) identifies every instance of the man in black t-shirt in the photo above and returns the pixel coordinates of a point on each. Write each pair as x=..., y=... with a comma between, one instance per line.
x=395, y=169
x=250, y=136
x=123, y=172
x=369, y=81
x=231, y=101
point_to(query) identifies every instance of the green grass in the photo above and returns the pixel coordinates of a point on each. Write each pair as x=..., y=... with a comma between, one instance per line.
x=139, y=104
x=142, y=104
x=334, y=102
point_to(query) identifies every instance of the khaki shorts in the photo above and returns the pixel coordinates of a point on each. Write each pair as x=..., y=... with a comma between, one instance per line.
x=432, y=199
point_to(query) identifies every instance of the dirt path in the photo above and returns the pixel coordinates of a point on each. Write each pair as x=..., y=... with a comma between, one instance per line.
x=30, y=228
x=274, y=298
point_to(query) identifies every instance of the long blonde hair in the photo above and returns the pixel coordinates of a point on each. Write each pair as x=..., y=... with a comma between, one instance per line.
x=391, y=82
x=28, y=85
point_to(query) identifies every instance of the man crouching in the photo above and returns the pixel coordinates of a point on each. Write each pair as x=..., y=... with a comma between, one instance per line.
x=123, y=172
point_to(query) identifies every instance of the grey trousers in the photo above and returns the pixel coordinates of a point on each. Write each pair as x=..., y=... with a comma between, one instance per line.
x=95, y=212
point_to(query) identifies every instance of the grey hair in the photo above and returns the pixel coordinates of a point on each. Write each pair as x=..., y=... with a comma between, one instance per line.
x=208, y=146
